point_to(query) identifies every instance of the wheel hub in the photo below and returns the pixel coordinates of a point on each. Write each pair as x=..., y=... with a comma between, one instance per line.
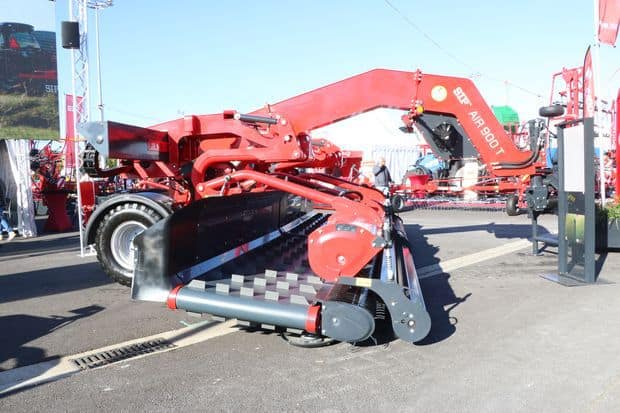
x=121, y=243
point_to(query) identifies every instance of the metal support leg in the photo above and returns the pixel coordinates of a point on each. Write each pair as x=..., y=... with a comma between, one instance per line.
x=535, y=250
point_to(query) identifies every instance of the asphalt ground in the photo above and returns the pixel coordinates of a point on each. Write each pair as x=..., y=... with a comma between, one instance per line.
x=503, y=338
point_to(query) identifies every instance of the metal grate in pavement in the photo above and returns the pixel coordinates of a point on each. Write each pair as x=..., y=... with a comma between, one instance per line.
x=91, y=361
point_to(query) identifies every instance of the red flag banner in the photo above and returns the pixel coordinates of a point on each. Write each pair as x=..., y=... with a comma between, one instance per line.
x=70, y=132
x=617, y=135
x=614, y=122
x=608, y=21
x=588, y=86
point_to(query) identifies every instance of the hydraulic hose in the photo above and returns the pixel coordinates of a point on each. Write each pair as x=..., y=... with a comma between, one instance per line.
x=517, y=165
x=534, y=130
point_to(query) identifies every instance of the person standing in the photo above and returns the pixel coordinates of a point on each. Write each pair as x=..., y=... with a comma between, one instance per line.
x=4, y=223
x=382, y=175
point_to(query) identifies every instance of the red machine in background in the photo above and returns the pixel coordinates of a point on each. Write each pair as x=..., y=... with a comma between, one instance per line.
x=568, y=90
x=50, y=188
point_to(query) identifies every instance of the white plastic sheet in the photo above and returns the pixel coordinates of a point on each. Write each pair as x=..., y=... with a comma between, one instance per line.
x=18, y=151
x=379, y=134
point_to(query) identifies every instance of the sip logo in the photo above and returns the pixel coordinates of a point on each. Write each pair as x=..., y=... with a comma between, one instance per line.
x=461, y=96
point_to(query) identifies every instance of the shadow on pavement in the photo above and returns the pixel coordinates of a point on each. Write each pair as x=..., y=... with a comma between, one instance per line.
x=50, y=281
x=499, y=230
x=33, y=247
x=21, y=329
x=439, y=296
x=416, y=233
x=440, y=301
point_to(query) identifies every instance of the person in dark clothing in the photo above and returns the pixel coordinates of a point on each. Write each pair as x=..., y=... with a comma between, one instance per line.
x=382, y=175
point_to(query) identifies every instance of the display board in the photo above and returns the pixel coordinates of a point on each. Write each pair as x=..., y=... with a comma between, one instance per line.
x=576, y=215
x=28, y=72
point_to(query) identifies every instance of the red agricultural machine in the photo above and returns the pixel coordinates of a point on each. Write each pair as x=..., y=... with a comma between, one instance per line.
x=483, y=177
x=225, y=223
x=478, y=155
x=569, y=89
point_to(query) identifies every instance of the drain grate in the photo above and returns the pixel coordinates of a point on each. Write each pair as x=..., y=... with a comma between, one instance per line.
x=102, y=358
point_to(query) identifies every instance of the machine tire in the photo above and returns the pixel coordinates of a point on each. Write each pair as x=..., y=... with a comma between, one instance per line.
x=398, y=203
x=119, y=226
x=512, y=205
x=551, y=111
x=307, y=340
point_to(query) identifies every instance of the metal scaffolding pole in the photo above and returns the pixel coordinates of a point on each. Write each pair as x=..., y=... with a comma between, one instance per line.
x=598, y=102
x=78, y=12
x=80, y=99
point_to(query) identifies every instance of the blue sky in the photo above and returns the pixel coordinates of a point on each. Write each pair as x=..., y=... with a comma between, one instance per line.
x=38, y=13
x=163, y=58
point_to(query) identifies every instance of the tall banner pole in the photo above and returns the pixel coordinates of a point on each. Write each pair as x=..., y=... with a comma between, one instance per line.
x=597, y=102
x=76, y=140
x=617, y=140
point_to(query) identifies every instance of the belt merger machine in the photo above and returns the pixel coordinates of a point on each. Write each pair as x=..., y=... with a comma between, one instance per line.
x=222, y=226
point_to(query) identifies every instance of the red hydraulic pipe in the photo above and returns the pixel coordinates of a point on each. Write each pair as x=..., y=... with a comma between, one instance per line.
x=275, y=183
x=345, y=244
x=207, y=158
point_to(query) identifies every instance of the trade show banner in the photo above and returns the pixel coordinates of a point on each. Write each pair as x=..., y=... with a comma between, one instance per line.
x=609, y=21
x=588, y=86
x=28, y=74
x=70, y=137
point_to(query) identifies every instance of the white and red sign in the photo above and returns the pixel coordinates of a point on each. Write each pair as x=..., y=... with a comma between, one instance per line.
x=70, y=131
x=588, y=86
x=608, y=21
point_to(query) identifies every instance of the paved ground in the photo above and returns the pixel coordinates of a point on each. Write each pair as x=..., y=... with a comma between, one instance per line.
x=55, y=303
x=503, y=339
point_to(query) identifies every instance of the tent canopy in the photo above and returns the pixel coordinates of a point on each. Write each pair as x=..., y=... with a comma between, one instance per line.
x=378, y=133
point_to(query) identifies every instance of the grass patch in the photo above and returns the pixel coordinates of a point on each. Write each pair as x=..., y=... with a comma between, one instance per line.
x=29, y=117
x=27, y=132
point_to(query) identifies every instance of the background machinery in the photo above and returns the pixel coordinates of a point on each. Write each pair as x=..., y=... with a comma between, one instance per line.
x=27, y=61
x=224, y=223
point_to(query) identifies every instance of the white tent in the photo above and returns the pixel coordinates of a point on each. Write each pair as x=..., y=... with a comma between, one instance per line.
x=377, y=133
x=15, y=173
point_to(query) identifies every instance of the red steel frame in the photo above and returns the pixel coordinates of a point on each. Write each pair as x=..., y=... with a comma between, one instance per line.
x=413, y=91
x=212, y=142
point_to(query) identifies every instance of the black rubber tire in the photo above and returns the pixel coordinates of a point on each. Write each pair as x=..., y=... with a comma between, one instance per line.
x=551, y=111
x=512, y=205
x=307, y=340
x=121, y=213
x=398, y=203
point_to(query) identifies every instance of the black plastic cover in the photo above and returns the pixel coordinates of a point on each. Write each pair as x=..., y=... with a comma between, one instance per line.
x=200, y=231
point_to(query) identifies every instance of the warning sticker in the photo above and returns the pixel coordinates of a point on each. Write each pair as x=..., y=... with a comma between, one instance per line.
x=439, y=93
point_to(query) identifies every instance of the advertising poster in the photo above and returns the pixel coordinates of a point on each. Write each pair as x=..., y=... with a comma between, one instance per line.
x=28, y=74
